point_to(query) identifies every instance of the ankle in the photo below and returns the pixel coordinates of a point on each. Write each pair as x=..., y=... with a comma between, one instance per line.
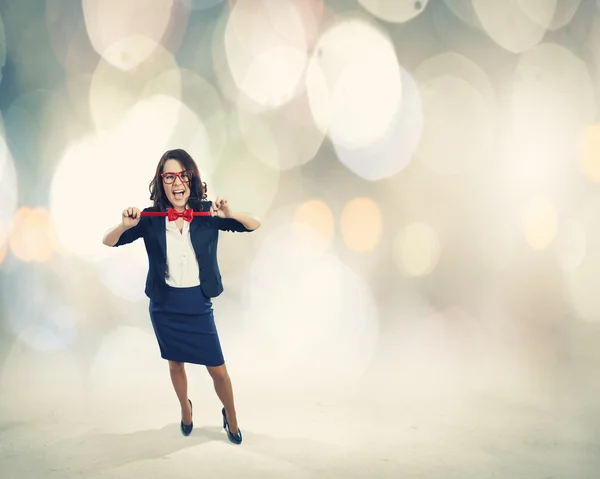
x=230, y=412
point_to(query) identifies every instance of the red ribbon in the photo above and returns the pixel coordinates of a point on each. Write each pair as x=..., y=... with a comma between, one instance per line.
x=172, y=214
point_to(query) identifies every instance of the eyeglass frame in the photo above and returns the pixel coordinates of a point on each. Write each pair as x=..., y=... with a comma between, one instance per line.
x=177, y=175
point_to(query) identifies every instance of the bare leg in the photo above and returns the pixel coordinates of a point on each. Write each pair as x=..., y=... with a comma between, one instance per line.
x=179, y=380
x=224, y=390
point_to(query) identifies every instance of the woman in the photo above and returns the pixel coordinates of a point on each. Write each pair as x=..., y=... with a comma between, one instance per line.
x=183, y=276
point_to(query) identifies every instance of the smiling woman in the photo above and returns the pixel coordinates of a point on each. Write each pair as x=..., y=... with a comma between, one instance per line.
x=184, y=275
x=172, y=185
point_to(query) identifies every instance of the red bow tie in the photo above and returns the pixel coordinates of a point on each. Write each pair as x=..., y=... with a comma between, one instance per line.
x=187, y=215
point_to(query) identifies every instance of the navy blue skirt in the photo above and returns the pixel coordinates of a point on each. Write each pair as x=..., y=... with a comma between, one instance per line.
x=185, y=327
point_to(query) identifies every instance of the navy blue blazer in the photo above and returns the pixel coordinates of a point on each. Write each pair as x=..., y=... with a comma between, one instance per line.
x=204, y=232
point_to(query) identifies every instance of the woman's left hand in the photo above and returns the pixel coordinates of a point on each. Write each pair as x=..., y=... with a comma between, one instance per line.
x=221, y=208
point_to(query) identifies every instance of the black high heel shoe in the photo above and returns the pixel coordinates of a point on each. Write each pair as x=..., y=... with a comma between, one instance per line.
x=186, y=429
x=234, y=438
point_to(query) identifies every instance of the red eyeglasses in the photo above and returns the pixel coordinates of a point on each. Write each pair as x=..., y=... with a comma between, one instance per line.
x=169, y=177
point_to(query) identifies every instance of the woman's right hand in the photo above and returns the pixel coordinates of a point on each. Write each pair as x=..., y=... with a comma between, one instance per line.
x=131, y=217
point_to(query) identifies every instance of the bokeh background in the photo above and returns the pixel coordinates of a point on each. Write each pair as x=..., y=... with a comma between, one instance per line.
x=427, y=174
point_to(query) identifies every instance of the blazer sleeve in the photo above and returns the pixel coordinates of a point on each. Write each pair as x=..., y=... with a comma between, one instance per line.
x=229, y=224
x=226, y=224
x=132, y=234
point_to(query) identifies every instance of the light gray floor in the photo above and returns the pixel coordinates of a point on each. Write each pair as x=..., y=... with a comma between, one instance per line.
x=54, y=430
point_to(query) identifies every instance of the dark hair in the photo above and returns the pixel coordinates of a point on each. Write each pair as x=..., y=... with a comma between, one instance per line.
x=197, y=187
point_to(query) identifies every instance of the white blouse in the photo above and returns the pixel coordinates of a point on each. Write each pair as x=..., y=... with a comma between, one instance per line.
x=182, y=264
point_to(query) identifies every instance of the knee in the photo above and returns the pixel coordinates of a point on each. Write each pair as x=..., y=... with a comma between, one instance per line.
x=218, y=373
x=175, y=366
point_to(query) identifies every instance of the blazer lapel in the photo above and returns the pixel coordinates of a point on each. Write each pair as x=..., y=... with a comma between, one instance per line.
x=195, y=232
x=158, y=224
x=195, y=225
x=198, y=220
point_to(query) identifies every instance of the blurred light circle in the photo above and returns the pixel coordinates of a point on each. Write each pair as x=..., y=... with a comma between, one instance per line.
x=124, y=271
x=459, y=66
x=317, y=317
x=42, y=320
x=309, y=11
x=177, y=28
x=127, y=53
x=464, y=10
x=205, y=101
x=273, y=76
x=547, y=115
x=68, y=37
x=112, y=93
x=126, y=33
x=589, y=159
x=32, y=235
x=515, y=26
x=417, y=249
x=540, y=222
x=396, y=11
x=266, y=46
x=167, y=82
x=74, y=201
x=190, y=133
x=458, y=129
x=282, y=138
x=17, y=246
x=40, y=228
x=571, y=245
x=541, y=12
x=244, y=180
x=146, y=131
x=564, y=13
x=3, y=251
x=314, y=224
x=222, y=71
x=392, y=153
x=543, y=93
x=8, y=189
x=361, y=225
x=101, y=175
x=537, y=155
x=354, y=83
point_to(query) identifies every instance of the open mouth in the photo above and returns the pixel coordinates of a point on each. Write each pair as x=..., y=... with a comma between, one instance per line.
x=178, y=194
